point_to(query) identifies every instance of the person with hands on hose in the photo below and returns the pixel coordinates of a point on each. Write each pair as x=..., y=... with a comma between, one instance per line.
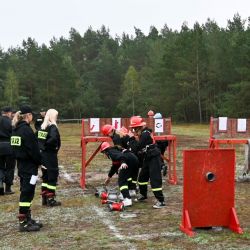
x=120, y=139
x=151, y=169
x=123, y=166
x=122, y=163
x=26, y=151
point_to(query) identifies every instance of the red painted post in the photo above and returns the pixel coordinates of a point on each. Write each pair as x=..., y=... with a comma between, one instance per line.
x=174, y=160
x=82, y=181
x=87, y=136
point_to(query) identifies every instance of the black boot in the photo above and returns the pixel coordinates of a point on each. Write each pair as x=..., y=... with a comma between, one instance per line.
x=51, y=202
x=8, y=189
x=33, y=222
x=1, y=188
x=25, y=225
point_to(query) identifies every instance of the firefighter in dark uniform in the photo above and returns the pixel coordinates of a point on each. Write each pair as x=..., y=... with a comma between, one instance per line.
x=26, y=151
x=120, y=139
x=151, y=168
x=39, y=119
x=122, y=163
x=7, y=161
x=49, y=144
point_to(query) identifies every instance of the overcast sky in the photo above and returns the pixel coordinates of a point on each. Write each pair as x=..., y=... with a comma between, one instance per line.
x=45, y=19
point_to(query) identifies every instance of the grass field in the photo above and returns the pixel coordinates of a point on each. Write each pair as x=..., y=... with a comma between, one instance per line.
x=83, y=223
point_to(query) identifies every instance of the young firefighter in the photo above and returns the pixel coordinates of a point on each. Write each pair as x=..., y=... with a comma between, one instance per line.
x=120, y=139
x=26, y=151
x=7, y=161
x=151, y=168
x=49, y=143
x=122, y=163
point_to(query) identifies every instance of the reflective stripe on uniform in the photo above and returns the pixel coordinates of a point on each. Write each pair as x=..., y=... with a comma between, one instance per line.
x=156, y=189
x=134, y=182
x=24, y=204
x=129, y=179
x=123, y=187
x=44, y=184
x=143, y=183
x=51, y=187
x=15, y=141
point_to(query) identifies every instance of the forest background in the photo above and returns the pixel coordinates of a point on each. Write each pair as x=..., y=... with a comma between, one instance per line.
x=190, y=74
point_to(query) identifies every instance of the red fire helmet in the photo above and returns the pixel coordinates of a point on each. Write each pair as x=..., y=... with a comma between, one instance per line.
x=106, y=129
x=136, y=121
x=104, y=146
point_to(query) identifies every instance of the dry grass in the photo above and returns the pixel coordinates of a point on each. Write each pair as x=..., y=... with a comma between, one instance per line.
x=83, y=223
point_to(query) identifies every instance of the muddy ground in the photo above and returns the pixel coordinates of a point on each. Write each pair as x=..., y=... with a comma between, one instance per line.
x=83, y=223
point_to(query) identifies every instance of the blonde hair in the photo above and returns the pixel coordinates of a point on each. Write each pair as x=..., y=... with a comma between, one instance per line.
x=17, y=118
x=50, y=118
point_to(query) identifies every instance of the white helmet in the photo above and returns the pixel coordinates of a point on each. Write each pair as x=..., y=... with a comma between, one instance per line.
x=158, y=116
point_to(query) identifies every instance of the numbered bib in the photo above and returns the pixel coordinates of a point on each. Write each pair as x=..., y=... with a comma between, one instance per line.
x=15, y=141
x=42, y=135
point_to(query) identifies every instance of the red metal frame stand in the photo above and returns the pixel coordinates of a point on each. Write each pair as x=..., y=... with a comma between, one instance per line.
x=230, y=136
x=85, y=139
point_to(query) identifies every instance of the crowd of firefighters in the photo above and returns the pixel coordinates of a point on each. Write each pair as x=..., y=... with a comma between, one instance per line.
x=135, y=156
x=28, y=150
